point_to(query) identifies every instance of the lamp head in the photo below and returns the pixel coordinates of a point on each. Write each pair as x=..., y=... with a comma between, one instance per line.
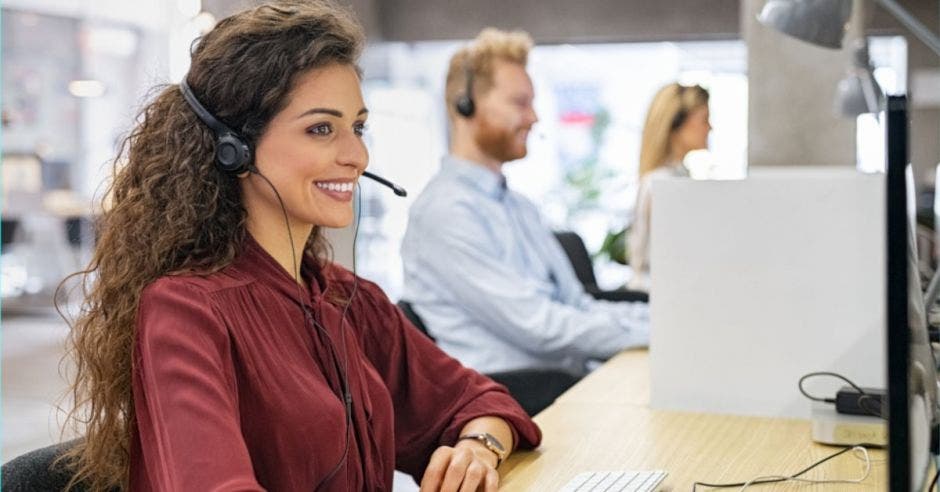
x=820, y=22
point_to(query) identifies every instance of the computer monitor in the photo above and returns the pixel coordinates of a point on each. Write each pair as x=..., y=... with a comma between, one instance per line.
x=912, y=376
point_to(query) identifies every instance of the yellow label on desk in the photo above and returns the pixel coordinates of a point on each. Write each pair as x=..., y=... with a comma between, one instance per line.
x=861, y=433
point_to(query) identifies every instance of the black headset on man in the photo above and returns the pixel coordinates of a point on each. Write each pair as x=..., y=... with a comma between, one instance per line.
x=464, y=104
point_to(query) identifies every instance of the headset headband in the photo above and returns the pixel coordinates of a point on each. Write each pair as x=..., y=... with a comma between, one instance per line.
x=217, y=126
x=232, y=153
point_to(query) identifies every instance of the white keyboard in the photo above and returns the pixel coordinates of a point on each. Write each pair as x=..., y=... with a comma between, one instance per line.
x=615, y=481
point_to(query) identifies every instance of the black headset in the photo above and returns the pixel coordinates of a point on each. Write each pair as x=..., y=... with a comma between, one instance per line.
x=679, y=118
x=233, y=155
x=464, y=104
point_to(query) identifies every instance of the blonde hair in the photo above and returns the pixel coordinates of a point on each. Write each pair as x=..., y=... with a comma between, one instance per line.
x=668, y=111
x=476, y=60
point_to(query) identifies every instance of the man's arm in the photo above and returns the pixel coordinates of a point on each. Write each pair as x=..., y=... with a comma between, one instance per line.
x=463, y=257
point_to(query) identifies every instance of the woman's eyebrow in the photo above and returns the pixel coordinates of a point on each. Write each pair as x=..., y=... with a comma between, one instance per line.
x=332, y=112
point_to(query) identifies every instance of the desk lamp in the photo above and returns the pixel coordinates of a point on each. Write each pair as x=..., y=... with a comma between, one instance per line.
x=825, y=23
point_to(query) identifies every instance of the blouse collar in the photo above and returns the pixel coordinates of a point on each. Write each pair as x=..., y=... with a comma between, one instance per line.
x=256, y=262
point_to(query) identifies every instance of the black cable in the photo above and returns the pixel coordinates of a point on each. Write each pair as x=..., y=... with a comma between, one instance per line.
x=775, y=480
x=831, y=374
x=864, y=400
x=346, y=396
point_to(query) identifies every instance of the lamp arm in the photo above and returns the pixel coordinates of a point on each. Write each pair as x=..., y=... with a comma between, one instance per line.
x=908, y=20
x=871, y=99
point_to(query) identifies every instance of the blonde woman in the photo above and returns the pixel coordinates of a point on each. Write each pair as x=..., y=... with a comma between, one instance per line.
x=676, y=124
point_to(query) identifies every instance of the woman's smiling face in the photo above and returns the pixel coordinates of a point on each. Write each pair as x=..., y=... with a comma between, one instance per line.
x=312, y=151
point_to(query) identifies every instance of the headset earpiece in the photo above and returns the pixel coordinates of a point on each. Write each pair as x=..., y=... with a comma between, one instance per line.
x=465, y=106
x=678, y=119
x=683, y=112
x=233, y=155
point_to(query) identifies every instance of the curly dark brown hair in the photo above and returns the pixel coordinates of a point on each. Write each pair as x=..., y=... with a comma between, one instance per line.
x=169, y=210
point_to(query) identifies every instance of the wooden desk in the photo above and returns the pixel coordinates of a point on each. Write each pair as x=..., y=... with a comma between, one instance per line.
x=605, y=423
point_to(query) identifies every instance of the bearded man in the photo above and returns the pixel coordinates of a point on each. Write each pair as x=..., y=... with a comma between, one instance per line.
x=482, y=269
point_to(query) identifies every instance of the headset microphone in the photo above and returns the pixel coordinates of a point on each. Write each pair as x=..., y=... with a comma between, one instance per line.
x=397, y=189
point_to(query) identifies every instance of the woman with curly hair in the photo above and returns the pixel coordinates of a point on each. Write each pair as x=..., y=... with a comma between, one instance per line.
x=218, y=347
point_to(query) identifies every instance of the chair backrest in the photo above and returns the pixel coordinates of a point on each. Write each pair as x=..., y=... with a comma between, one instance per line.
x=412, y=316
x=8, y=231
x=34, y=471
x=578, y=256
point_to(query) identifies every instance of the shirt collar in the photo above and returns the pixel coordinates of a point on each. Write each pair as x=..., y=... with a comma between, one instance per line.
x=478, y=176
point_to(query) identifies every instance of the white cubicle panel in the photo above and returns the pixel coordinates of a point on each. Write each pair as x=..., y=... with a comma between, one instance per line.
x=759, y=281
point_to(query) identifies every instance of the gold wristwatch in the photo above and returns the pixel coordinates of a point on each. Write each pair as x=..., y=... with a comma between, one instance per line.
x=490, y=442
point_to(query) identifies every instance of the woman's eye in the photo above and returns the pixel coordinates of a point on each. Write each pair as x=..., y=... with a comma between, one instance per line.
x=321, y=129
x=360, y=128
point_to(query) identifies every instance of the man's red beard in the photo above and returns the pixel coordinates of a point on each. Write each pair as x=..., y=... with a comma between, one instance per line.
x=499, y=143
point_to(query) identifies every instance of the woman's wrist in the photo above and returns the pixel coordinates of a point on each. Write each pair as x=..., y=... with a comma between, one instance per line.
x=480, y=451
x=490, y=435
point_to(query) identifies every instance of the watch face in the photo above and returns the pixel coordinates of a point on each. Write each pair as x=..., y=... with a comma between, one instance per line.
x=494, y=442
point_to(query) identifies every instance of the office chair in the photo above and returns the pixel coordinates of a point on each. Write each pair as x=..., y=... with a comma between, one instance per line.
x=8, y=231
x=578, y=255
x=35, y=472
x=412, y=316
x=534, y=389
x=80, y=230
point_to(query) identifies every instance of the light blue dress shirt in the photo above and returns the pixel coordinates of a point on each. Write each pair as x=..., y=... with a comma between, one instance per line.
x=494, y=287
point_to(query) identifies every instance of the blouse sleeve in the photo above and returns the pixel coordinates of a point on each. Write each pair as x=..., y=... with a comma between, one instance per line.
x=185, y=395
x=433, y=394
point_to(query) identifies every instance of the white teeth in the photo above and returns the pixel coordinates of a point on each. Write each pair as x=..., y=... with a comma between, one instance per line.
x=340, y=187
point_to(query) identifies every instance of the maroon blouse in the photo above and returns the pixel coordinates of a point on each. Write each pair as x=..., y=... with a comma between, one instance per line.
x=234, y=392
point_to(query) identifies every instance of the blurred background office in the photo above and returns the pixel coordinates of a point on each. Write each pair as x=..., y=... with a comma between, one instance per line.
x=75, y=72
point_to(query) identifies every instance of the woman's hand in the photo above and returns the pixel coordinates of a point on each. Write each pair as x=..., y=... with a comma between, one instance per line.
x=467, y=467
